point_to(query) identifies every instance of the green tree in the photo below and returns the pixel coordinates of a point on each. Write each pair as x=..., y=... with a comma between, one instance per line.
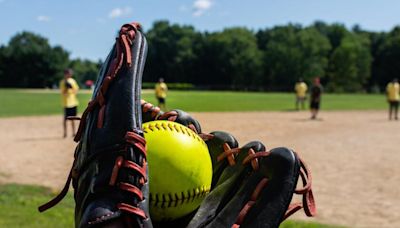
x=170, y=53
x=334, y=32
x=315, y=48
x=282, y=57
x=292, y=53
x=85, y=69
x=2, y=65
x=377, y=40
x=350, y=64
x=387, y=63
x=29, y=61
x=233, y=59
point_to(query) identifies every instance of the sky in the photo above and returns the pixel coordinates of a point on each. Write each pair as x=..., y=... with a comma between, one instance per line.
x=87, y=28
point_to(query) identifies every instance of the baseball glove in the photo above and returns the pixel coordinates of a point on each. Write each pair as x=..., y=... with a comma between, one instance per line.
x=109, y=174
x=151, y=113
x=251, y=186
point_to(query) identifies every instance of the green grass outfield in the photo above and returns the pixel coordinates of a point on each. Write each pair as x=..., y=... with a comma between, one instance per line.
x=18, y=208
x=15, y=102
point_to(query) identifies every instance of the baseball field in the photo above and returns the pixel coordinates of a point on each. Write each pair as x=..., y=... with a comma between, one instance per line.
x=351, y=149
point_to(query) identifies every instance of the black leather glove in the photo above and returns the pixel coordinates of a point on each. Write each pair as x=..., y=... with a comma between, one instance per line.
x=109, y=173
x=151, y=113
x=252, y=186
x=68, y=85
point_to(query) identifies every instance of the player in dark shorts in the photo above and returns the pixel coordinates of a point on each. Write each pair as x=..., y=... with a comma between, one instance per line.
x=69, y=89
x=70, y=112
x=161, y=93
x=315, y=98
x=393, y=97
x=161, y=100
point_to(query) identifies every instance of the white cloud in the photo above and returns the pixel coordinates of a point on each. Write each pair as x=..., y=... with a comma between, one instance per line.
x=43, y=18
x=201, y=6
x=120, y=12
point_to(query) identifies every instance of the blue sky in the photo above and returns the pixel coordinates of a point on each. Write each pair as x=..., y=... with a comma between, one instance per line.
x=86, y=28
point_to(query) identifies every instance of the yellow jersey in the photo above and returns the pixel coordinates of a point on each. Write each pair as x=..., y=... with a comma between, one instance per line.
x=69, y=88
x=301, y=89
x=161, y=90
x=393, y=91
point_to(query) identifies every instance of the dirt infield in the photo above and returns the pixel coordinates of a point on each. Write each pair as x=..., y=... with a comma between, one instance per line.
x=354, y=157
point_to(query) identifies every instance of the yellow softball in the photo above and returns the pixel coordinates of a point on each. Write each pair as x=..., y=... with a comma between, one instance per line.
x=180, y=169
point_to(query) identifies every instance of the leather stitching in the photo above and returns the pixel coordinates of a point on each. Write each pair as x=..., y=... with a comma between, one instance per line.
x=173, y=200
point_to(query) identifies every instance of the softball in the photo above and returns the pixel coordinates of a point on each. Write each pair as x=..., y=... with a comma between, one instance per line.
x=180, y=169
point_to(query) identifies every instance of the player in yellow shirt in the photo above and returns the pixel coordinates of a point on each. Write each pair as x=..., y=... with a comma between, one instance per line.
x=301, y=91
x=69, y=89
x=393, y=97
x=161, y=93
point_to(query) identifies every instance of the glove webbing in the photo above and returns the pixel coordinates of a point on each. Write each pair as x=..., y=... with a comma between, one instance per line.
x=308, y=202
x=154, y=111
x=156, y=114
x=123, y=56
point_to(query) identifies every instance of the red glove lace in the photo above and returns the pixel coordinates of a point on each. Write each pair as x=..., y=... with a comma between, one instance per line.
x=139, y=142
x=308, y=202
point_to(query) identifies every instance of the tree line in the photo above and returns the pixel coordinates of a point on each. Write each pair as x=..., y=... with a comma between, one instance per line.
x=29, y=61
x=238, y=58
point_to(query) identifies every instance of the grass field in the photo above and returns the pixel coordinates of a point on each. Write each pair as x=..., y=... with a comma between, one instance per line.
x=15, y=102
x=18, y=203
x=18, y=208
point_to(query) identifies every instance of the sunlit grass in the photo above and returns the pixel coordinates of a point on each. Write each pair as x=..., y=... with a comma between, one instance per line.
x=47, y=102
x=18, y=208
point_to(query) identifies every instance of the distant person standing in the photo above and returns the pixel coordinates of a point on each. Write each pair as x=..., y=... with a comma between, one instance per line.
x=69, y=89
x=315, y=98
x=393, y=97
x=161, y=93
x=301, y=91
